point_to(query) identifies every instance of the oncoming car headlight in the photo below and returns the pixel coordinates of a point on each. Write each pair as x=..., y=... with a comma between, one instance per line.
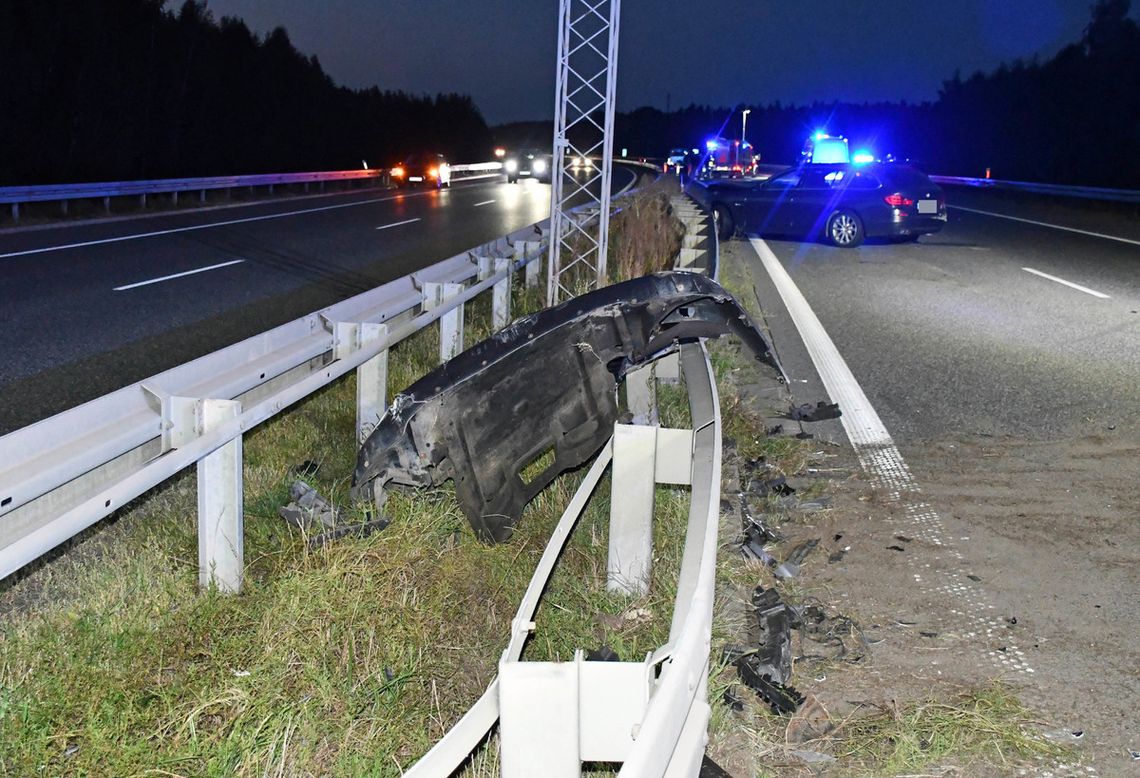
x=511, y=165
x=539, y=166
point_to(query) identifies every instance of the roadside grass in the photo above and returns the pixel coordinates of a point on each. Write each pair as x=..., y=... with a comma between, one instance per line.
x=350, y=659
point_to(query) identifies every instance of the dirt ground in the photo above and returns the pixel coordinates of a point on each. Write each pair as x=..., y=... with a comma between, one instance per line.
x=995, y=559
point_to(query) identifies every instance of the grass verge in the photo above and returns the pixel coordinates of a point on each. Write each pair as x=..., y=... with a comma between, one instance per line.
x=352, y=659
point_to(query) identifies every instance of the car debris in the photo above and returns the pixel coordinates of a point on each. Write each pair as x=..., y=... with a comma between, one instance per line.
x=796, y=557
x=821, y=411
x=541, y=392
x=308, y=510
x=774, y=622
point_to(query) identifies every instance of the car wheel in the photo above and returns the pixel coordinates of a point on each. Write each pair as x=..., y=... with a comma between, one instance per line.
x=844, y=229
x=725, y=226
x=512, y=179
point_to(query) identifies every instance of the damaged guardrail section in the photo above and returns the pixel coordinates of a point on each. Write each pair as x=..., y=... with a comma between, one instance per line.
x=63, y=474
x=650, y=716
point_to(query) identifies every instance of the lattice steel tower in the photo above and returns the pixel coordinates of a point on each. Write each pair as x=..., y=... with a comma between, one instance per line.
x=583, y=132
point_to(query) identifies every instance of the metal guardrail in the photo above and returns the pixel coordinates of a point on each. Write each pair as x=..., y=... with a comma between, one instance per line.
x=16, y=195
x=63, y=474
x=1059, y=190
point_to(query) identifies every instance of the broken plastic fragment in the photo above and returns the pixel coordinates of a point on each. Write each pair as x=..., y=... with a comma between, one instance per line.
x=821, y=411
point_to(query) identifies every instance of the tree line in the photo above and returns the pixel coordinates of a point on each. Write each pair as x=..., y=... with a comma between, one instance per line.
x=129, y=89
x=1074, y=119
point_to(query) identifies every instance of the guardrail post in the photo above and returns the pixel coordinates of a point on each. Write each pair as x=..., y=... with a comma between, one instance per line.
x=524, y=248
x=202, y=196
x=641, y=394
x=106, y=205
x=501, y=296
x=15, y=212
x=220, y=519
x=174, y=198
x=451, y=323
x=371, y=382
x=63, y=206
x=142, y=201
x=631, y=509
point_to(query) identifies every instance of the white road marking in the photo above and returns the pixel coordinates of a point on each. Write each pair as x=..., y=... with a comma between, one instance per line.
x=941, y=572
x=1069, y=284
x=1047, y=224
x=195, y=227
x=485, y=202
x=397, y=224
x=177, y=275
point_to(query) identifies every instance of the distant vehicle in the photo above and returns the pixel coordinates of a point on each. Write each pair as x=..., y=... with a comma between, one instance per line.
x=676, y=161
x=841, y=203
x=423, y=169
x=531, y=163
x=728, y=159
x=824, y=149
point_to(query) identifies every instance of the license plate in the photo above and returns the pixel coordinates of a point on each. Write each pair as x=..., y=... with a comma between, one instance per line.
x=928, y=206
x=415, y=179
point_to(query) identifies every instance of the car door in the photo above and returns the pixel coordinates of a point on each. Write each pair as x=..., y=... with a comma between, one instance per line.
x=813, y=199
x=765, y=207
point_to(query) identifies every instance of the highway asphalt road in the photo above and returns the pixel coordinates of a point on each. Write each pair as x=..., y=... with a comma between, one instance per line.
x=981, y=328
x=88, y=308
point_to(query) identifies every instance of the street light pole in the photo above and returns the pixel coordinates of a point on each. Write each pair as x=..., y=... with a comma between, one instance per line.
x=744, y=124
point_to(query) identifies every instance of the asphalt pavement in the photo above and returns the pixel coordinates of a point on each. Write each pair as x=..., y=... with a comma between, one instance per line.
x=89, y=308
x=996, y=325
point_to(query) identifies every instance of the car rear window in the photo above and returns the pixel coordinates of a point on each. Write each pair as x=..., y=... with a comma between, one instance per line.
x=903, y=175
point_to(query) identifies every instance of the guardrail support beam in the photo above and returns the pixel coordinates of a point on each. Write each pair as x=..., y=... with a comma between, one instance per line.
x=371, y=382
x=220, y=519
x=524, y=248
x=641, y=394
x=631, y=509
x=501, y=296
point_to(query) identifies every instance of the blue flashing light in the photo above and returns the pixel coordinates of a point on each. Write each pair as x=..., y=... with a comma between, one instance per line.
x=710, y=145
x=862, y=157
x=820, y=135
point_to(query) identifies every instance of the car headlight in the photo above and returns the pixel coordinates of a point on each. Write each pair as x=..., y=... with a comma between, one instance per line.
x=398, y=172
x=511, y=165
x=539, y=166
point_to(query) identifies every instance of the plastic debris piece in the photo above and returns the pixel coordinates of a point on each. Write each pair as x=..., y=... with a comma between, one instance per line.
x=602, y=654
x=896, y=548
x=733, y=700
x=974, y=578
x=774, y=622
x=782, y=699
x=821, y=411
x=361, y=530
x=306, y=469
x=903, y=538
x=1134, y=754
x=777, y=485
x=308, y=508
x=837, y=556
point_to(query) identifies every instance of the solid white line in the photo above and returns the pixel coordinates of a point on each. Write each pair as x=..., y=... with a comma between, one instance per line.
x=177, y=275
x=1047, y=224
x=859, y=419
x=397, y=224
x=1069, y=284
x=485, y=202
x=194, y=227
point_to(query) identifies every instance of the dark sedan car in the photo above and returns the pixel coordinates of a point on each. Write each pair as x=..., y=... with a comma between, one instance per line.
x=842, y=203
x=533, y=163
x=424, y=169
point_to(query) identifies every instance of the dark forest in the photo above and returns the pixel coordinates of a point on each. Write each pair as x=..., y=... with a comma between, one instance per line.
x=113, y=90
x=129, y=89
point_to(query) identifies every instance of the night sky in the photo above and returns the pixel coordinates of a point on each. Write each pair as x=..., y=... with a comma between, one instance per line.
x=672, y=53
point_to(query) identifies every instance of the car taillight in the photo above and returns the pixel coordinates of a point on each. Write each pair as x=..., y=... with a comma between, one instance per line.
x=897, y=199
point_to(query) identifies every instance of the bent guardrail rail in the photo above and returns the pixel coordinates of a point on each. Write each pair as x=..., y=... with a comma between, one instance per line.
x=1059, y=190
x=16, y=195
x=63, y=474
